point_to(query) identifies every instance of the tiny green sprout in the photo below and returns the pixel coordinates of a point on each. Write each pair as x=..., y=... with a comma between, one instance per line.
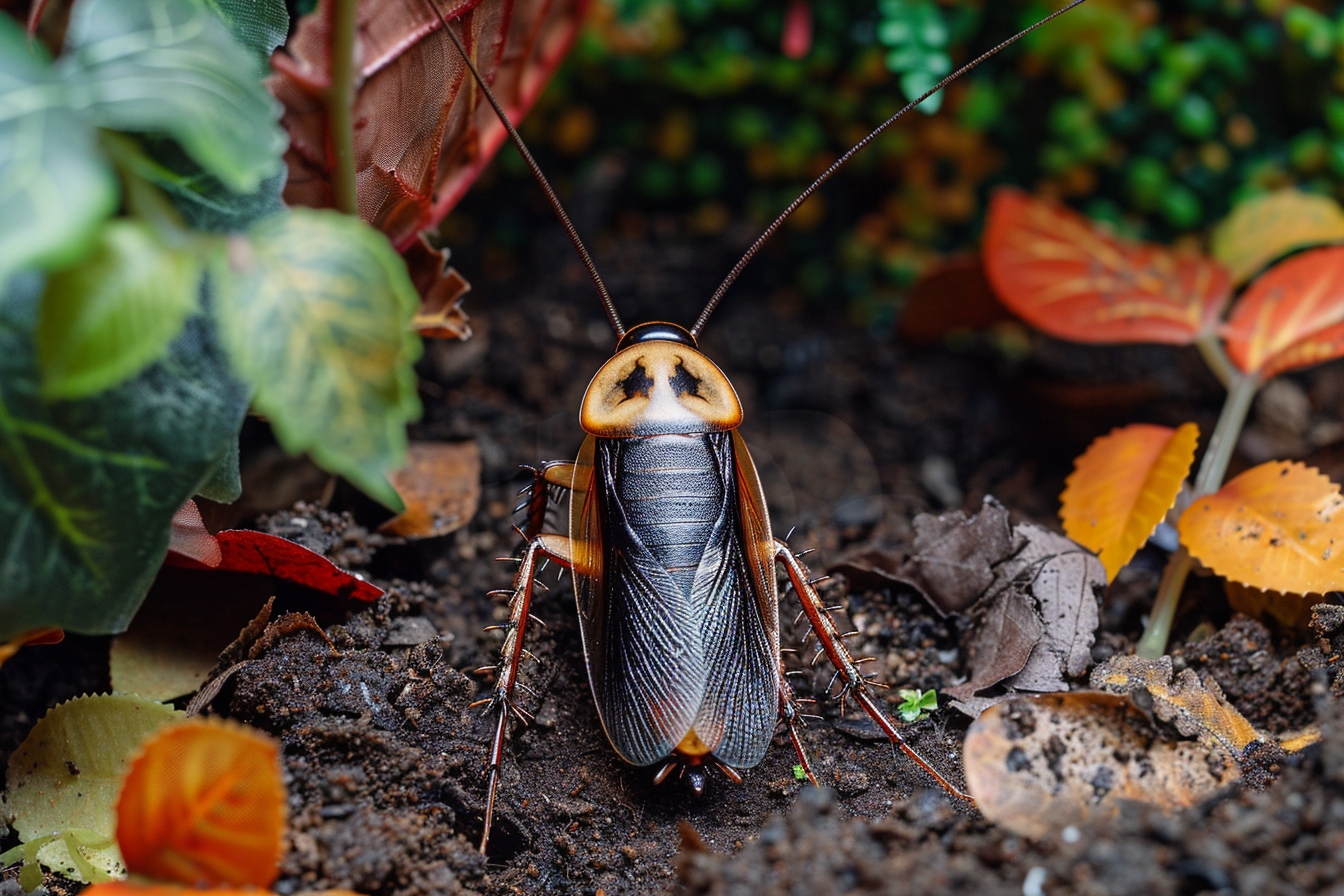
x=918, y=704
x=799, y=773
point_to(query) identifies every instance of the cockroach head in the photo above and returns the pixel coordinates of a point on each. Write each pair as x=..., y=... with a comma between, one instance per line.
x=658, y=383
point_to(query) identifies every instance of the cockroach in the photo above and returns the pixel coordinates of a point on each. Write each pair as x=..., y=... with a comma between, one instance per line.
x=671, y=551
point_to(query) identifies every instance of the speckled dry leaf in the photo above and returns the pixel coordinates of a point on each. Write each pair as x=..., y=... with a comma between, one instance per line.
x=1261, y=229
x=68, y=770
x=1289, y=610
x=204, y=805
x=1292, y=315
x=1278, y=526
x=440, y=486
x=1061, y=274
x=1004, y=631
x=1122, y=486
x=1038, y=764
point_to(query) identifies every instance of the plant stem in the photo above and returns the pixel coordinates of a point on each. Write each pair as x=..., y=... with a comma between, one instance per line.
x=340, y=101
x=1211, y=350
x=1241, y=392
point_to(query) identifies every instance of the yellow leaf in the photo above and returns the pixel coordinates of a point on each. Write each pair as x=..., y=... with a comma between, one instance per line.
x=1261, y=229
x=1122, y=486
x=1278, y=526
x=204, y=805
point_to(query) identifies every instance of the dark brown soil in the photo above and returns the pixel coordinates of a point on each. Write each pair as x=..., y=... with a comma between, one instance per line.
x=854, y=435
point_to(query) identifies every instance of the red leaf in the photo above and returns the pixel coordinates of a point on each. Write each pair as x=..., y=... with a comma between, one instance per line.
x=1061, y=274
x=1291, y=316
x=244, y=550
x=422, y=132
x=797, y=37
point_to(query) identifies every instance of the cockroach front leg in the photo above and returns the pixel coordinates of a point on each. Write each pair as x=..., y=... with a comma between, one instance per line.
x=555, y=473
x=853, y=684
x=541, y=547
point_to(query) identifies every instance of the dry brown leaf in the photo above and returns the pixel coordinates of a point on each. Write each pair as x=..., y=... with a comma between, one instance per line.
x=1068, y=582
x=441, y=289
x=1038, y=764
x=1006, y=628
x=440, y=486
x=424, y=132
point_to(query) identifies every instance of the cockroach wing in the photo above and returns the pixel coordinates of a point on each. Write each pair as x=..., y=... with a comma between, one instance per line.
x=738, y=612
x=641, y=641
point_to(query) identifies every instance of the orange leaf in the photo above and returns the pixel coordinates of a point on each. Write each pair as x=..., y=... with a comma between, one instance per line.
x=1061, y=274
x=1291, y=316
x=1261, y=229
x=36, y=636
x=1122, y=486
x=440, y=486
x=204, y=805
x=1276, y=526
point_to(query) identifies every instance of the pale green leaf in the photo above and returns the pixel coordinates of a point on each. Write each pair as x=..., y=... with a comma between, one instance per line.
x=67, y=773
x=259, y=25
x=113, y=314
x=314, y=309
x=171, y=66
x=88, y=487
x=55, y=186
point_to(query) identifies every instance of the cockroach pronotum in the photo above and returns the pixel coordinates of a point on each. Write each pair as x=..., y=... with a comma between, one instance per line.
x=671, y=551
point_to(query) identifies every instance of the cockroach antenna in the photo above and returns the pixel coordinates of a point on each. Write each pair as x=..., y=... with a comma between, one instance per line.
x=554, y=200
x=835, y=166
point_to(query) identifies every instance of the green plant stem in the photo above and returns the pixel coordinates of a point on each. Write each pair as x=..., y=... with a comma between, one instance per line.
x=340, y=101
x=1211, y=350
x=1241, y=392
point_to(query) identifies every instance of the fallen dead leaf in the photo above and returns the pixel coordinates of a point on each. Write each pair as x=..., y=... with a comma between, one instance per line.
x=1005, y=630
x=440, y=486
x=442, y=290
x=1038, y=764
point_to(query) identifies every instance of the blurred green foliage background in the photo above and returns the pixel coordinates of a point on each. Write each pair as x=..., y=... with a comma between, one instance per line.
x=1154, y=117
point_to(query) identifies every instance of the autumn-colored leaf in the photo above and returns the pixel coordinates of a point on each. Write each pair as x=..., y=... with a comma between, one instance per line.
x=204, y=805
x=1278, y=526
x=1289, y=610
x=425, y=131
x=189, y=537
x=441, y=289
x=1261, y=229
x=1291, y=316
x=440, y=486
x=1061, y=274
x=1122, y=486
x=36, y=636
x=244, y=550
x=928, y=317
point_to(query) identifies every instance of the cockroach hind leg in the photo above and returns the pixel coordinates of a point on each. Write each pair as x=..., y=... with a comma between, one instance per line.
x=853, y=685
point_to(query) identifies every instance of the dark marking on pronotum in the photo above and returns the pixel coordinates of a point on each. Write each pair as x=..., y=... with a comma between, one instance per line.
x=684, y=382
x=638, y=384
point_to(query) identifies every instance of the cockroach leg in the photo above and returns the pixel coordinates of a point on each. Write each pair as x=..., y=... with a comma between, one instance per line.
x=552, y=474
x=543, y=546
x=788, y=711
x=852, y=682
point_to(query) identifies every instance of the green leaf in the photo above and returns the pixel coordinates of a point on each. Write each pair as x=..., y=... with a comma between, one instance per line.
x=113, y=314
x=259, y=25
x=88, y=487
x=171, y=66
x=55, y=186
x=204, y=202
x=225, y=484
x=66, y=775
x=314, y=309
